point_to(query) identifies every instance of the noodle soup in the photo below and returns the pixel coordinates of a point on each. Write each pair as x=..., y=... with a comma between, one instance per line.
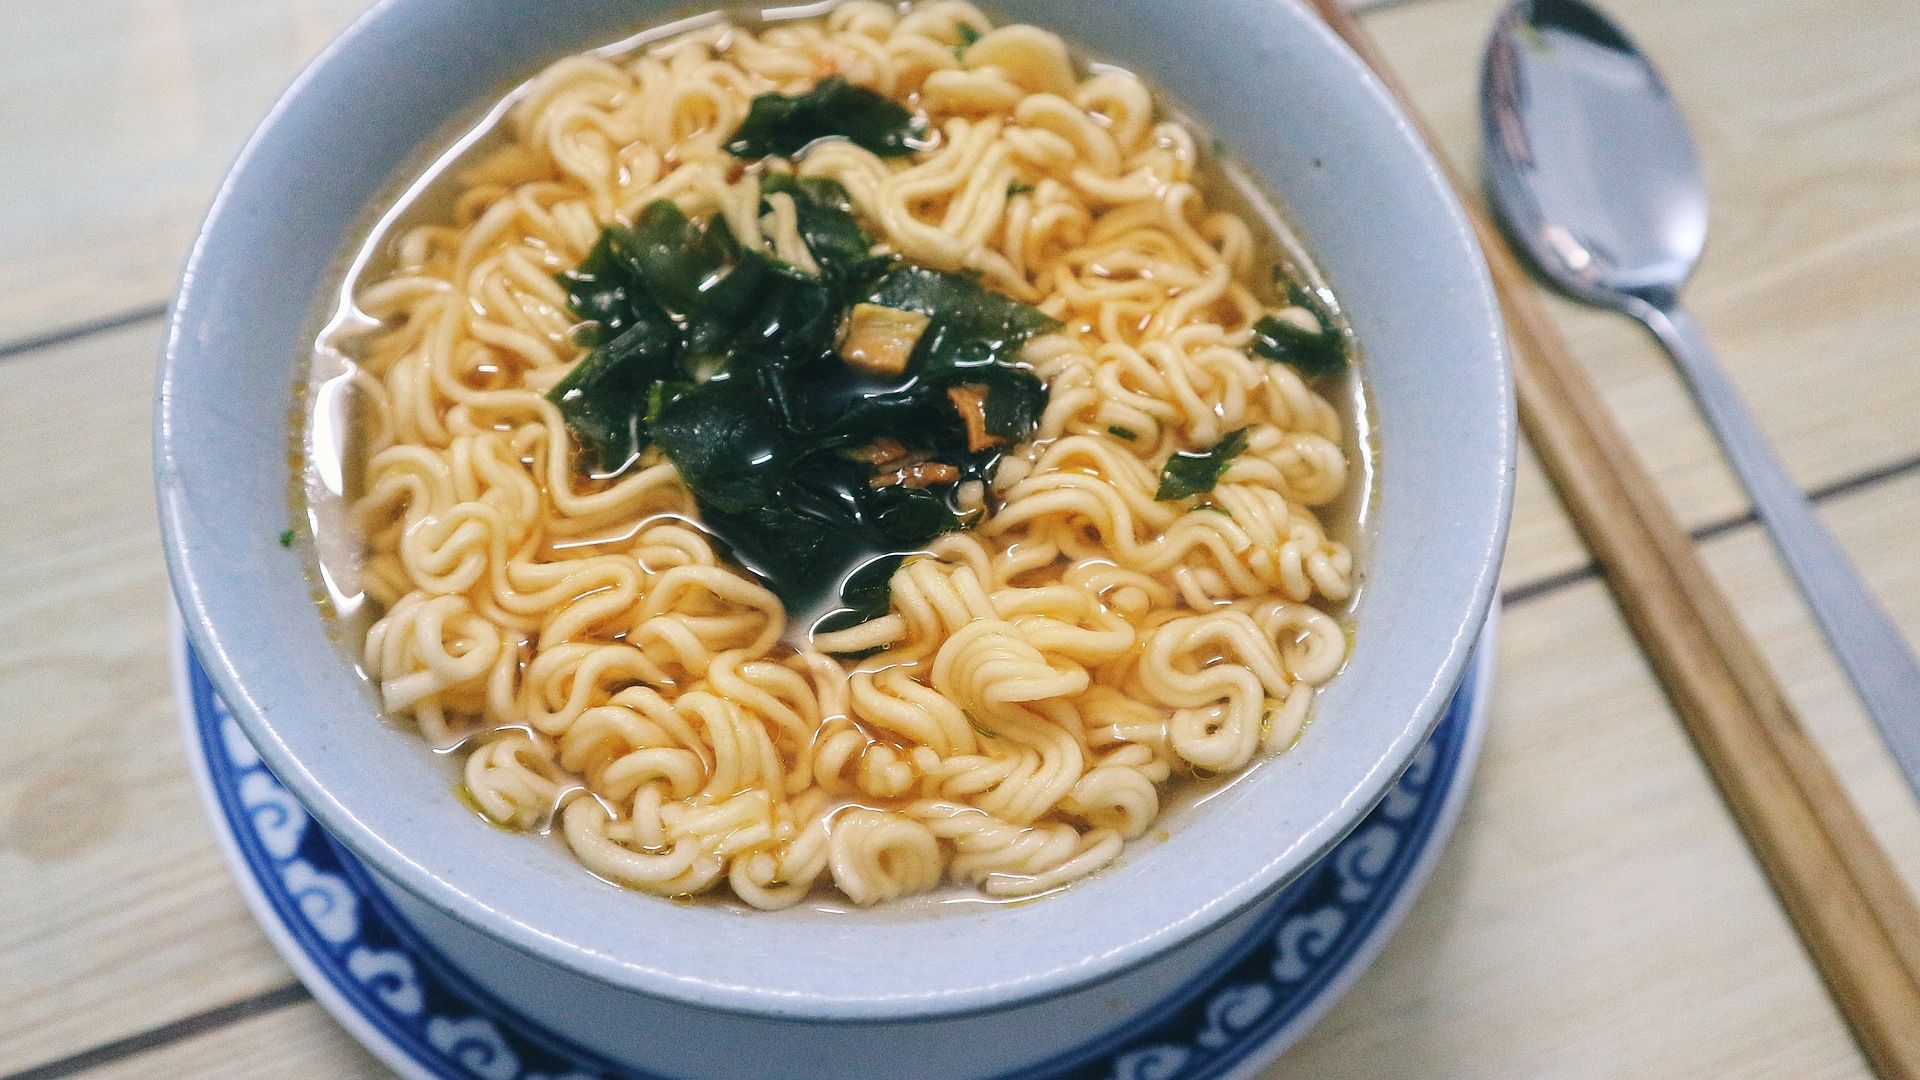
x=841, y=455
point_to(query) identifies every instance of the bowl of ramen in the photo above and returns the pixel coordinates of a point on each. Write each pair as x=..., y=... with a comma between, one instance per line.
x=855, y=512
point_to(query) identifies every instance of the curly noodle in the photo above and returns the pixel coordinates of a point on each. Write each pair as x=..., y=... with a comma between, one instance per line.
x=1038, y=681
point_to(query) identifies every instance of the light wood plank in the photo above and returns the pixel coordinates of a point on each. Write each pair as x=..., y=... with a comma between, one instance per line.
x=120, y=119
x=120, y=913
x=1596, y=914
x=1597, y=910
x=300, y=1042
x=1877, y=526
x=1805, y=114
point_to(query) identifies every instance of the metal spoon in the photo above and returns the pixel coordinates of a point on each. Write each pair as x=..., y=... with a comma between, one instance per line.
x=1593, y=172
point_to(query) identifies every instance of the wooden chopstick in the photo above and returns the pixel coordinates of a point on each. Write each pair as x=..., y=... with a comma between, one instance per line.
x=1854, y=914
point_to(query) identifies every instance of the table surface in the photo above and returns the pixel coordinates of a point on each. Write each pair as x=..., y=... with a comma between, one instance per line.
x=1597, y=913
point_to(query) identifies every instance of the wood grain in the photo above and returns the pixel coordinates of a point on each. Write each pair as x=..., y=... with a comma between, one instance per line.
x=119, y=912
x=1597, y=915
x=1596, y=906
x=300, y=1042
x=120, y=118
x=1806, y=117
x=1747, y=570
x=1852, y=911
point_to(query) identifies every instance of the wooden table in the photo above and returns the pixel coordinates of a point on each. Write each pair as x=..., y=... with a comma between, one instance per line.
x=1596, y=914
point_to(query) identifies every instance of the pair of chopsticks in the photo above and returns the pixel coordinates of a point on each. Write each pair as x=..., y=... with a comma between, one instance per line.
x=1850, y=907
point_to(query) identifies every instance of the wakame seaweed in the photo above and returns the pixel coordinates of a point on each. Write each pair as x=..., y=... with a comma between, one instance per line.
x=790, y=505
x=833, y=237
x=727, y=360
x=1311, y=352
x=972, y=312
x=596, y=396
x=781, y=125
x=676, y=259
x=670, y=299
x=865, y=593
x=602, y=290
x=1194, y=472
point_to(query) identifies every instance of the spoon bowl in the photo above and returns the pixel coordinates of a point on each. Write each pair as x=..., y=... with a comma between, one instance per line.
x=1589, y=156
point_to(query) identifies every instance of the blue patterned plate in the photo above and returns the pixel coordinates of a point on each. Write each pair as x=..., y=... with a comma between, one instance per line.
x=398, y=996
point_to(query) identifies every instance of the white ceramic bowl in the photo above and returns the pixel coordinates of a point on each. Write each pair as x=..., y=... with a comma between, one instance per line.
x=1268, y=79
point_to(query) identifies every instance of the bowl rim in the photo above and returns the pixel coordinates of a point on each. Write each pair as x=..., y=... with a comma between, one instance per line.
x=187, y=573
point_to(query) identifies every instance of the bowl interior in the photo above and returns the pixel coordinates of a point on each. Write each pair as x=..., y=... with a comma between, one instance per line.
x=1296, y=108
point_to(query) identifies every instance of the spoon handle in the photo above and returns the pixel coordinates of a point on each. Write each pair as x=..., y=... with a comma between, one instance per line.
x=1871, y=649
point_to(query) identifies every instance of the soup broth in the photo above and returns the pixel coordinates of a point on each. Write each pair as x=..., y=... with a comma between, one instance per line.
x=838, y=459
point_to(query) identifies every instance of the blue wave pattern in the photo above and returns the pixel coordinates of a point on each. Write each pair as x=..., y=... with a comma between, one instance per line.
x=1308, y=937
x=355, y=938
x=453, y=1029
